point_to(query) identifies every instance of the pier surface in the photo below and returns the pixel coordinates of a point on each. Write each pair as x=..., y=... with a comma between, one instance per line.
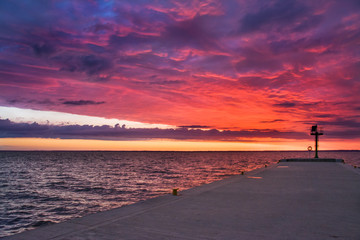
x=289, y=200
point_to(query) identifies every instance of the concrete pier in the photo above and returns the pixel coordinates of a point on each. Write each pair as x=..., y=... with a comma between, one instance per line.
x=289, y=200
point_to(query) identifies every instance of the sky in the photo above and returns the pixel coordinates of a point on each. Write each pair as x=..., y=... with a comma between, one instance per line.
x=179, y=75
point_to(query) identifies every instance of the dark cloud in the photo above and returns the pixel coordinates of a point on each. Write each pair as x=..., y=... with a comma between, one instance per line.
x=168, y=82
x=10, y=129
x=30, y=101
x=190, y=33
x=194, y=126
x=325, y=115
x=296, y=105
x=285, y=104
x=150, y=61
x=258, y=61
x=273, y=121
x=97, y=68
x=218, y=64
x=9, y=75
x=132, y=39
x=101, y=28
x=92, y=64
x=346, y=134
x=24, y=14
x=96, y=48
x=195, y=33
x=43, y=49
x=49, y=102
x=344, y=123
x=308, y=23
x=254, y=82
x=277, y=15
x=339, y=128
x=82, y=102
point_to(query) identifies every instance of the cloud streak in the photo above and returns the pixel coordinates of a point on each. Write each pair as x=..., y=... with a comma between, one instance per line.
x=82, y=102
x=10, y=129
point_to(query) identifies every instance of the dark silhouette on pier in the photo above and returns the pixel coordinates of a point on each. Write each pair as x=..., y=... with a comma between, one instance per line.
x=314, y=131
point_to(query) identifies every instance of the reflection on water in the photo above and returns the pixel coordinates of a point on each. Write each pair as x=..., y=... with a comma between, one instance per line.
x=38, y=188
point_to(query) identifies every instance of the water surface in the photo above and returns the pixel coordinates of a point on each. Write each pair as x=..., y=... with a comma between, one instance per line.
x=38, y=188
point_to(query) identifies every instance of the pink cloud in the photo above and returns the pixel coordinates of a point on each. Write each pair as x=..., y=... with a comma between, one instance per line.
x=226, y=64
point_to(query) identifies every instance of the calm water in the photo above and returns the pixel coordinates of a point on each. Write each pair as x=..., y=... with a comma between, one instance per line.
x=38, y=188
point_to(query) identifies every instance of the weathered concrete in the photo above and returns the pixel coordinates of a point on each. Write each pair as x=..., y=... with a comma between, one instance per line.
x=290, y=200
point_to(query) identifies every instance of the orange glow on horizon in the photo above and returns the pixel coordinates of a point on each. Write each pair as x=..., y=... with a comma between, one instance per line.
x=169, y=145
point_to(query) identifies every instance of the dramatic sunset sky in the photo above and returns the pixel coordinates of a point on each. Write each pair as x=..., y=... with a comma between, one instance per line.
x=179, y=75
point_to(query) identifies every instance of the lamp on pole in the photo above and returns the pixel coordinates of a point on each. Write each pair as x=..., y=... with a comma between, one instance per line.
x=314, y=131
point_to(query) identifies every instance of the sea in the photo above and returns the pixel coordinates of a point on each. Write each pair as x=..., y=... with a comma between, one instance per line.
x=45, y=187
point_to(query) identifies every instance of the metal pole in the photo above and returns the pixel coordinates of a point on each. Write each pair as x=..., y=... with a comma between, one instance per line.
x=316, y=145
x=314, y=131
